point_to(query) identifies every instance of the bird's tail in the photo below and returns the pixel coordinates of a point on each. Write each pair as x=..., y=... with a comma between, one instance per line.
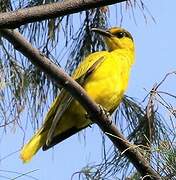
x=31, y=148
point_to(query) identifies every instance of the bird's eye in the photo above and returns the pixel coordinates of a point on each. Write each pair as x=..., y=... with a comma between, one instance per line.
x=121, y=34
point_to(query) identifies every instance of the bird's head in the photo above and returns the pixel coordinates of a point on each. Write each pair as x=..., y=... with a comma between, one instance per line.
x=116, y=38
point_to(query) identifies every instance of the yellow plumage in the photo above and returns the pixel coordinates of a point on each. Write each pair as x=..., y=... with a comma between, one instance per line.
x=104, y=75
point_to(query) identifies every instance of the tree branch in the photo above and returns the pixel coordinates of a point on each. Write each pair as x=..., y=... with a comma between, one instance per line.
x=38, y=13
x=61, y=78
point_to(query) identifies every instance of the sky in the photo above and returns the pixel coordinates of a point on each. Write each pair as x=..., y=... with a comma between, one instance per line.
x=155, y=56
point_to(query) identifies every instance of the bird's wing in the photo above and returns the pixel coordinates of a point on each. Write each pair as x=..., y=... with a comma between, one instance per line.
x=58, y=138
x=64, y=99
x=62, y=103
x=87, y=63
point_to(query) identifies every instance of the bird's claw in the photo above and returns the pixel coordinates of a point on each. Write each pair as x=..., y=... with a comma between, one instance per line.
x=105, y=112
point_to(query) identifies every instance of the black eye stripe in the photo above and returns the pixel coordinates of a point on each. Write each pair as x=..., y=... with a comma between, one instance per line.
x=122, y=34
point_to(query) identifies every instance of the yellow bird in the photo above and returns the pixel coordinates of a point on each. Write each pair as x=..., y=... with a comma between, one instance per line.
x=104, y=76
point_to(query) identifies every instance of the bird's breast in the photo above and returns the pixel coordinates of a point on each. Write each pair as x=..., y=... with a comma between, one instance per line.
x=106, y=85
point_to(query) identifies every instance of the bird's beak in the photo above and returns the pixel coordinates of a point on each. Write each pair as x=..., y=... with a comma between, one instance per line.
x=102, y=32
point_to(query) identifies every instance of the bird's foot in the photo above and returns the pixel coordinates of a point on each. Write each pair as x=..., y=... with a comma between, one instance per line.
x=105, y=112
